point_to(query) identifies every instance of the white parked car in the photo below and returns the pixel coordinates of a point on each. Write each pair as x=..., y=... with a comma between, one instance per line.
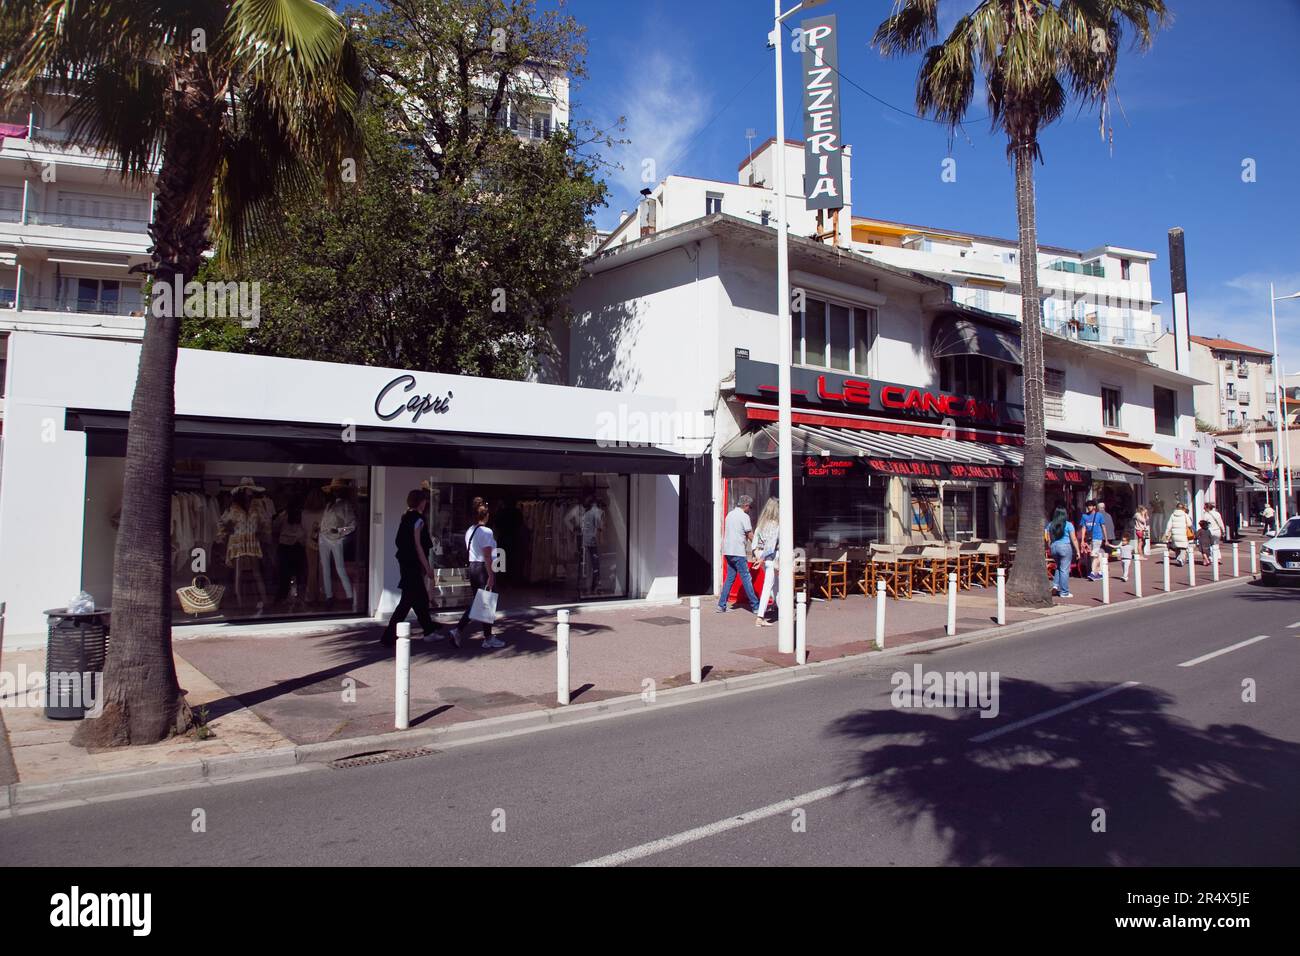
x=1279, y=559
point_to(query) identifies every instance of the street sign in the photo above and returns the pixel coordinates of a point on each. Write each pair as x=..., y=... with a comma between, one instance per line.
x=823, y=177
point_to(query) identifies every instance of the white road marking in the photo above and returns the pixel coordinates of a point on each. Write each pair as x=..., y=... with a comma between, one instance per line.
x=731, y=823
x=1296, y=624
x=1047, y=714
x=1205, y=657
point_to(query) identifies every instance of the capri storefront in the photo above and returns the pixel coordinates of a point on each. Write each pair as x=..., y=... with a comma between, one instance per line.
x=290, y=479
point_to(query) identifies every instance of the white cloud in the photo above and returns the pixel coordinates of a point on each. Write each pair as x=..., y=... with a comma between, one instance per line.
x=665, y=104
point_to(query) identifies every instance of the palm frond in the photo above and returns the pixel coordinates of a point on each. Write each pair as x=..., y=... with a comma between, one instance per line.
x=913, y=25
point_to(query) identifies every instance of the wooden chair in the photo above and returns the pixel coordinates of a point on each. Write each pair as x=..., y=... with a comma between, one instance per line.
x=932, y=572
x=897, y=575
x=978, y=570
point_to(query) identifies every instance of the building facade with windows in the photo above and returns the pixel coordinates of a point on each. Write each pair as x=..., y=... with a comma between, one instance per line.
x=70, y=233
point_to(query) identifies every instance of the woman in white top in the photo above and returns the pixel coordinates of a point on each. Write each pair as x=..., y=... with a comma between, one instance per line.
x=1177, y=532
x=765, y=542
x=480, y=544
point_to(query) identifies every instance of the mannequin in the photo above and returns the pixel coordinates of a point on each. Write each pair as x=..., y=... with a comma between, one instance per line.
x=338, y=523
x=313, y=510
x=240, y=529
x=592, y=523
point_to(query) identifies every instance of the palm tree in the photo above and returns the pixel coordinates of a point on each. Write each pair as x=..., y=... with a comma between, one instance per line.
x=1032, y=56
x=234, y=103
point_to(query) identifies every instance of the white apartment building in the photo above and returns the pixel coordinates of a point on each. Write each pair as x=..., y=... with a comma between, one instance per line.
x=1101, y=296
x=70, y=232
x=1239, y=381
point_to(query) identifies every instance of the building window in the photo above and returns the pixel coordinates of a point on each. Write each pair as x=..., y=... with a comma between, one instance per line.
x=1264, y=451
x=712, y=203
x=1123, y=268
x=1054, y=393
x=1232, y=416
x=1111, y=402
x=965, y=513
x=1166, y=407
x=830, y=335
x=973, y=375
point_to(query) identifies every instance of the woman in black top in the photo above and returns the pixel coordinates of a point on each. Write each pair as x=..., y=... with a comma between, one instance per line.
x=413, y=546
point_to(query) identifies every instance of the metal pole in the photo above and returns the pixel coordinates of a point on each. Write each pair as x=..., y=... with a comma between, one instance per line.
x=1277, y=404
x=402, y=692
x=880, y=615
x=1137, y=578
x=696, y=676
x=562, y=658
x=1236, y=559
x=952, y=604
x=801, y=628
x=1166, y=570
x=1002, y=595
x=785, y=427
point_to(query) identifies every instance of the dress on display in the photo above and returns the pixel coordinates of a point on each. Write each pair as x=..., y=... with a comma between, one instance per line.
x=242, y=541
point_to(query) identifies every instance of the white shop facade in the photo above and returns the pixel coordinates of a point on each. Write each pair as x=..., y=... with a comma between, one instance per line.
x=291, y=477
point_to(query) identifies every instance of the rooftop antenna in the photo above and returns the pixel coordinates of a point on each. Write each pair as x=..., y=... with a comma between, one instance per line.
x=749, y=138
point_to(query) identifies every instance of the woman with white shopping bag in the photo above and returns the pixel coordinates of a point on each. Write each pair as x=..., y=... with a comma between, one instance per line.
x=480, y=543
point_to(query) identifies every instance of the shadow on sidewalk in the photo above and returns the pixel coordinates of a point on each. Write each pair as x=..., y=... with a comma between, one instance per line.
x=1173, y=793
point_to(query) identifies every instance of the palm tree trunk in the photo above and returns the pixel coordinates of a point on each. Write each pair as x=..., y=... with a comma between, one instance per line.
x=143, y=701
x=1028, y=585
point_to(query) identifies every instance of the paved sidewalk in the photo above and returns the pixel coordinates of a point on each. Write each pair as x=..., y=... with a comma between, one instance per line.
x=264, y=690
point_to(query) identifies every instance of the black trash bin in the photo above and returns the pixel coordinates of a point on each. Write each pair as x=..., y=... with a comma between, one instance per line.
x=74, y=662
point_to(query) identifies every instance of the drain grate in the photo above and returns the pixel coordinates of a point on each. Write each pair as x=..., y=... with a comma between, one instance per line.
x=662, y=621
x=372, y=757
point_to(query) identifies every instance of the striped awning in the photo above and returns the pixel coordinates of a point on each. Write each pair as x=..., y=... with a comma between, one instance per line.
x=754, y=451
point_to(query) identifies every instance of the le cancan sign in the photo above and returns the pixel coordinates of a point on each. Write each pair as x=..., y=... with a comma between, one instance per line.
x=830, y=391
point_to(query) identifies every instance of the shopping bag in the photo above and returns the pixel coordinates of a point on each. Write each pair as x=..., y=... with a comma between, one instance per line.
x=484, y=608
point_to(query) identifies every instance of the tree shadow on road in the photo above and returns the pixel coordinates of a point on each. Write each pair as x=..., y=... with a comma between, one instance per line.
x=1173, y=793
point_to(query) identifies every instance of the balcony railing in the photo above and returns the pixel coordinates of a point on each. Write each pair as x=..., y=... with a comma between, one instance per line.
x=1243, y=397
x=1101, y=334
x=72, y=221
x=7, y=297
x=86, y=306
x=11, y=215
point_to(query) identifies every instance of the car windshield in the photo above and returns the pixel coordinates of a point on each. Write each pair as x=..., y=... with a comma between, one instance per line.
x=1291, y=529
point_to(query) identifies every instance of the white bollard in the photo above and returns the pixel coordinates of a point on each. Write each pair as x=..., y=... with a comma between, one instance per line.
x=1214, y=564
x=1002, y=595
x=562, y=658
x=1137, y=578
x=880, y=615
x=1166, y=570
x=801, y=628
x=402, y=691
x=1191, y=569
x=1236, y=559
x=1254, y=566
x=1105, y=581
x=952, y=604
x=696, y=676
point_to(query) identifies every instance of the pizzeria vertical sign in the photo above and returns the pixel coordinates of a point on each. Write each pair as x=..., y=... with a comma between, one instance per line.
x=823, y=159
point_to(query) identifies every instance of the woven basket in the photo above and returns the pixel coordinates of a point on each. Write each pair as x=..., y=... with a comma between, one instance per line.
x=202, y=598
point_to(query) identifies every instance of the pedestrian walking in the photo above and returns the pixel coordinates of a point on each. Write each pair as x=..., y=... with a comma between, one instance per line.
x=1142, y=532
x=1178, y=532
x=1059, y=535
x=1267, y=515
x=736, y=533
x=1093, y=532
x=413, y=546
x=1205, y=542
x=1218, y=528
x=480, y=544
x=766, y=532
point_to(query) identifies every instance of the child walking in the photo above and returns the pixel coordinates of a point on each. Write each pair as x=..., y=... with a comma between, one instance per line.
x=1126, y=551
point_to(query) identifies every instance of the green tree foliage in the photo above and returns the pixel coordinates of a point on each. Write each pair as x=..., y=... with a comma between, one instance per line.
x=459, y=244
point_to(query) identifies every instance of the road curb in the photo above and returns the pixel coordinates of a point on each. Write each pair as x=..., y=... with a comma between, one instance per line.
x=18, y=797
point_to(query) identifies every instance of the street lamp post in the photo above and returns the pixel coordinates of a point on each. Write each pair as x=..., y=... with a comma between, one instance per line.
x=784, y=418
x=1281, y=458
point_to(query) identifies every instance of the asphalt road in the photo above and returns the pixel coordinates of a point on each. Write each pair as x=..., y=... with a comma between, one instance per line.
x=1115, y=743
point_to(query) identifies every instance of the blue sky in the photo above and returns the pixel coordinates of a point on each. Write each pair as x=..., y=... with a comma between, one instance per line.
x=1221, y=85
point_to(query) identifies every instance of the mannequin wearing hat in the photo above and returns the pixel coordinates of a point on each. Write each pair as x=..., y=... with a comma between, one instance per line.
x=337, y=524
x=239, y=528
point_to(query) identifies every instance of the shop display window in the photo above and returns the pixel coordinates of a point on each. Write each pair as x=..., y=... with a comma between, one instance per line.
x=248, y=539
x=560, y=541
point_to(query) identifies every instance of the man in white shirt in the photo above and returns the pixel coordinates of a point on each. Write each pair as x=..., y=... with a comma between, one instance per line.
x=736, y=532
